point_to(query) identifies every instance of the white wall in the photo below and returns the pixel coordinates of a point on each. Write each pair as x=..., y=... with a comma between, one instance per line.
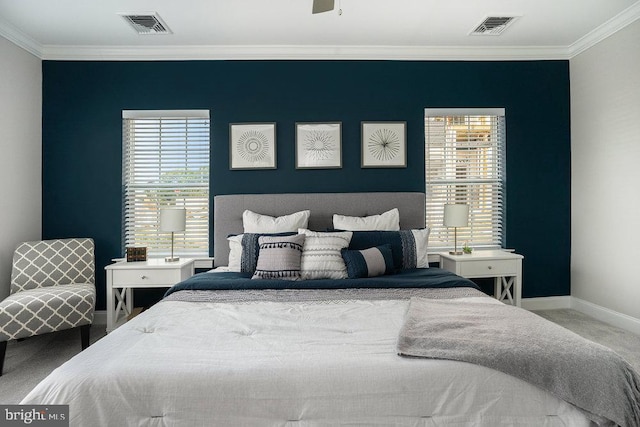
x=20, y=153
x=605, y=145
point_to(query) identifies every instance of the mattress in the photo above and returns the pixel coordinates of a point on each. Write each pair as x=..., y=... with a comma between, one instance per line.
x=277, y=363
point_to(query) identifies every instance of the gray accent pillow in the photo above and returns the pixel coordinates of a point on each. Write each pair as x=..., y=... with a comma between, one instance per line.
x=250, y=249
x=279, y=257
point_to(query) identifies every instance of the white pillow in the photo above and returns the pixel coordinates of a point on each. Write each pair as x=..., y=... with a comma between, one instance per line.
x=322, y=254
x=235, y=252
x=257, y=223
x=388, y=221
x=421, y=237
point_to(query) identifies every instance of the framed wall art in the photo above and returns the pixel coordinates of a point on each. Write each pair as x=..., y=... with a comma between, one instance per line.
x=384, y=145
x=318, y=145
x=252, y=146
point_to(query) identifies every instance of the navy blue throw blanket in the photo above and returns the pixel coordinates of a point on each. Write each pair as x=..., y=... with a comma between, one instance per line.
x=413, y=278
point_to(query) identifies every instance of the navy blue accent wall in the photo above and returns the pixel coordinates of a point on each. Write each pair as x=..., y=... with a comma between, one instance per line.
x=82, y=137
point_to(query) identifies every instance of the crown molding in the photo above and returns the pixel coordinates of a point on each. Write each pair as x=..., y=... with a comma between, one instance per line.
x=20, y=39
x=292, y=52
x=398, y=53
x=612, y=26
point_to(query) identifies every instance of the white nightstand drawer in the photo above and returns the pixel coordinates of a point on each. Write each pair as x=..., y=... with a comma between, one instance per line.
x=123, y=277
x=141, y=277
x=504, y=267
x=488, y=268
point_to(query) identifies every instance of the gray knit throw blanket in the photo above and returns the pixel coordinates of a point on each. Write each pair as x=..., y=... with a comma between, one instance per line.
x=514, y=341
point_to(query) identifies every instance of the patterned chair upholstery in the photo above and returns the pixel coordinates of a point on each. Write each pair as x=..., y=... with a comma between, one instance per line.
x=52, y=289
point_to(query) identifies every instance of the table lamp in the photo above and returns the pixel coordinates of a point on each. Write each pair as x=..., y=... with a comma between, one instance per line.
x=173, y=220
x=456, y=215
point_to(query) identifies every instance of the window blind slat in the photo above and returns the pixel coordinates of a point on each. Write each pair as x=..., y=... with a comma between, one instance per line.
x=464, y=163
x=166, y=164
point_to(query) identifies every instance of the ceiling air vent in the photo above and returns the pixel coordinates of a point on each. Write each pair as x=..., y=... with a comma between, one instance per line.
x=493, y=25
x=147, y=23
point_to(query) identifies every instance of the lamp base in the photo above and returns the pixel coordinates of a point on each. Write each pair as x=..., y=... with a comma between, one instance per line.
x=455, y=252
x=172, y=259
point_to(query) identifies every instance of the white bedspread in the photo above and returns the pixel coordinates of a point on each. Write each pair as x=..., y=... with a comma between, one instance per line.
x=269, y=363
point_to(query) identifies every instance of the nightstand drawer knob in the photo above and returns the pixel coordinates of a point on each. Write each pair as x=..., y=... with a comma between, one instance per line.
x=489, y=267
x=145, y=277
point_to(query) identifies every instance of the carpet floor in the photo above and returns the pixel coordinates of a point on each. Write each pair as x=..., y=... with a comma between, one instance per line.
x=623, y=342
x=27, y=362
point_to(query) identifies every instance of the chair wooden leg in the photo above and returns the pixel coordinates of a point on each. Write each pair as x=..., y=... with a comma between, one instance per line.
x=3, y=350
x=84, y=335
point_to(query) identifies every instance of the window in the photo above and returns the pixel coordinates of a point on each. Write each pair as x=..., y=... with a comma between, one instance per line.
x=166, y=164
x=464, y=163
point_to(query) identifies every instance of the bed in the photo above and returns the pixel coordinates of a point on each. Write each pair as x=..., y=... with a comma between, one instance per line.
x=224, y=349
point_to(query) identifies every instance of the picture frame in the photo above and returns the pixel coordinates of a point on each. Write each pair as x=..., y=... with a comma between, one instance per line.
x=319, y=145
x=136, y=253
x=252, y=146
x=384, y=144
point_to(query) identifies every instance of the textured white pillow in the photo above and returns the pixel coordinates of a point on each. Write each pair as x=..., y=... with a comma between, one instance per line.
x=235, y=252
x=322, y=254
x=421, y=237
x=257, y=223
x=387, y=221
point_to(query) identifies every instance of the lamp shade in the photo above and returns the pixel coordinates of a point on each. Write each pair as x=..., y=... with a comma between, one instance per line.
x=456, y=215
x=173, y=219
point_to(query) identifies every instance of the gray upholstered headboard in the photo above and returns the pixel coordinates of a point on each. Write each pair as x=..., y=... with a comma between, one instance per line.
x=227, y=211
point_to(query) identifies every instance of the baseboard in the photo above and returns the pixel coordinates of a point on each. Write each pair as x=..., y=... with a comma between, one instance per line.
x=100, y=317
x=606, y=315
x=598, y=312
x=546, y=303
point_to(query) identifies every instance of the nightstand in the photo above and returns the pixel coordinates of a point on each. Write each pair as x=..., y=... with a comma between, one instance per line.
x=505, y=267
x=124, y=276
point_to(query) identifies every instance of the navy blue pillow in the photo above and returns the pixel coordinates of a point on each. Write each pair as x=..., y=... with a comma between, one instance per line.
x=368, y=262
x=403, y=245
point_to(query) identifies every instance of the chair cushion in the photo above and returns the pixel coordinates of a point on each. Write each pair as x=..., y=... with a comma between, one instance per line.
x=42, y=310
x=52, y=262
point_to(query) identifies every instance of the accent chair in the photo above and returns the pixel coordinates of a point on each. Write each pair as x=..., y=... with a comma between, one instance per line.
x=52, y=289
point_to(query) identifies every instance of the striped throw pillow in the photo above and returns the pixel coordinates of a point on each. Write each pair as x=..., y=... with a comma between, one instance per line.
x=322, y=257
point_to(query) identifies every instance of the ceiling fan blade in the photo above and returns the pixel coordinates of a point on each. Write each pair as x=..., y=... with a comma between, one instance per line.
x=320, y=6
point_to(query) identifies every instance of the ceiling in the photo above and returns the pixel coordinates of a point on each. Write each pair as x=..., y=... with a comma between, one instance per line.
x=286, y=29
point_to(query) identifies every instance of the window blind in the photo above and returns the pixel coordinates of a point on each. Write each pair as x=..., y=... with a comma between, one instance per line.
x=465, y=163
x=166, y=164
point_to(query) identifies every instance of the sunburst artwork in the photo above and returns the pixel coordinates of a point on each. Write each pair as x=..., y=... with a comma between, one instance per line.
x=318, y=145
x=384, y=145
x=252, y=146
